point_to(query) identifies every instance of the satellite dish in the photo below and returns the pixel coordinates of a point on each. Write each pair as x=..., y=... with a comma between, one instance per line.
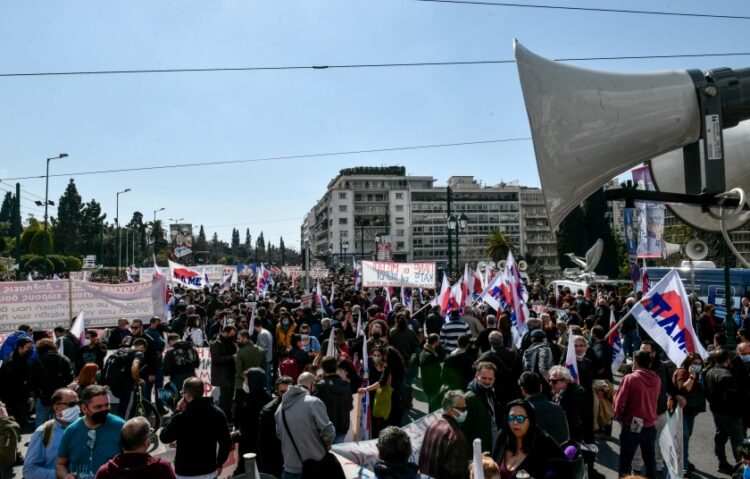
x=696, y=250
x=593, y=256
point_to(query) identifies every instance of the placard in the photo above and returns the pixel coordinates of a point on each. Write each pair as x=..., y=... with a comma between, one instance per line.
x=381, y=274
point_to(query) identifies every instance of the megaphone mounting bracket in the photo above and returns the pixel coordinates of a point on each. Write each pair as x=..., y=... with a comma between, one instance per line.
x=630, y=194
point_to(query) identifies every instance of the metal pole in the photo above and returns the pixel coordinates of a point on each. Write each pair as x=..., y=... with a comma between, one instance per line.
x=728, y=301
x=101, y=248
x=17, y=208
x=127, y=236
x=458, y=263
x=119, y=236
x=448, y=195
x=46, y=204
x=361, y=240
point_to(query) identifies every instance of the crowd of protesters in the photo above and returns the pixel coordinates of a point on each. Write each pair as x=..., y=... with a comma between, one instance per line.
x=283, y=391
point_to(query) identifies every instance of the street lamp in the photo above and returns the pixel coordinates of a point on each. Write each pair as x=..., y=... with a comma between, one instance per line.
x=46, y=204
x=462, y=222
x=377, y=245
x=343, y=246
x=119, y=235
x=452, y=225
x=330, y=255
x=156, y=211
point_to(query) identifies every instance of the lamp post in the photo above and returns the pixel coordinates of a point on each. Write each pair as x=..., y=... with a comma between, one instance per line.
x=452, y=226
x=343, y=246
x=153, y=232
x=117, y=222
x=46, y=204
x=377, y=245
x=330, y=255
x=156, y=211
x=462, y=222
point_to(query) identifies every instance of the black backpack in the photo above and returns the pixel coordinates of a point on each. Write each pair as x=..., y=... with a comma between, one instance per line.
x=116, y=371
x=185, y=357
x=54, y=375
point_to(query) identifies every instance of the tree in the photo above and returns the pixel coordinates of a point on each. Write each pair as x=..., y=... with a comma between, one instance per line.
x=6, y=210
x=235, y=241
x=92, y=226
x=67, y=234
x=572, y=237
x=260, y=248
x=498, y=244
x=598, y=227
x=16, y=225
x=282, y=250
x=37, y=245
x=137, y=231
x=200, y=243
x=158, y=236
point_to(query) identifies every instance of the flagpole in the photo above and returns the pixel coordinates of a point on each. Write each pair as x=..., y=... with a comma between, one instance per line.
x=421, y=309
x=617, y=325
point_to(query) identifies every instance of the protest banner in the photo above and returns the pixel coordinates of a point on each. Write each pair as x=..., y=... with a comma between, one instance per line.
x=46, y=304
x=381, y=274
x=670, y=444
x=365, y=453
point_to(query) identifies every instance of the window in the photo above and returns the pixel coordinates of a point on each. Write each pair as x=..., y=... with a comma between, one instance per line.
x=399, y=220
x=399, y=207
x=343, y=221
x=399, y=245
x=342, y=208
x=344, y=233
x=399, y=196
x=342, y=195
x=399, y=232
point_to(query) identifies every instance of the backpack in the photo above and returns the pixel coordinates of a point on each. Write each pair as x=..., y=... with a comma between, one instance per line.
x=47, y=432
x=289, y=367
x=9, y=433
x=116, y=371
x=185, y=357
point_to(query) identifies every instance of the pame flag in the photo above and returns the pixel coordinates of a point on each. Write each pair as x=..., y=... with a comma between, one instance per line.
x=264, y=280
x=185, y=276
x=571, y=362
x=618, y=354
x=498, y=294
x=665, y=314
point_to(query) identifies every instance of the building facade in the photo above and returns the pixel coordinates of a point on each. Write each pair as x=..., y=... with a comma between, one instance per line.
x=371, y=210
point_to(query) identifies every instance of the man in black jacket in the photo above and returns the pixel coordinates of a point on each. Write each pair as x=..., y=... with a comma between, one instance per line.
x=199, y=427
x=270, y=460
x=223, y=352
x=337, y=396
x=481, y=404
x=431, y=367
x=48, y=373
x=434, y=322
x=93, y=351
x=507, y=361
x=458, y=365
x=722, y=392
x=550, y=417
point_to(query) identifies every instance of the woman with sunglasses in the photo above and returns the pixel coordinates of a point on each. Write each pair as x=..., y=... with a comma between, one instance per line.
x=523, y=446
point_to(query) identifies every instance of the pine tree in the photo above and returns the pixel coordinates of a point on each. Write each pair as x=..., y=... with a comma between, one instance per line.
x=260, y=248
x=282, y=251
x=6, y=210
x=16, y=225
x=92, y=222
x=66, y=227
x=235, y=241
x=200, y=243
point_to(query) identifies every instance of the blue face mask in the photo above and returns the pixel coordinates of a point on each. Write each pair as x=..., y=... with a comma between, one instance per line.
x=746, y=473
x=697, y=369
x=745, y=358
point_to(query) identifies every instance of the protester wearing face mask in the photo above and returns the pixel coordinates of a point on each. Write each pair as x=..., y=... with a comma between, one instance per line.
x=445, y=450
x=93, y=351
x=283, y=338
x=93, y=440
x=691, y=396
x=41, y=456
x=14, y=385
x=741, y=370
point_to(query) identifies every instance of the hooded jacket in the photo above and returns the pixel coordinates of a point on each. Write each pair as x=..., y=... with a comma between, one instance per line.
x=138, y=465
x=337, y=396
x=307, y=420
x=392, y=470
x=482, y=408
x=637, y=397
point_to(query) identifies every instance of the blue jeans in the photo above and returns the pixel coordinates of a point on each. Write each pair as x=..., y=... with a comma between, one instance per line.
x=156, y=387
x=43, y=413
x=290, y=475
x=629, y=442
x=688, y=421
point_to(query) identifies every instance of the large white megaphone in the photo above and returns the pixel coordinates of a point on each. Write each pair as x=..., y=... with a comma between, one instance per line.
x=696, y=250
x=669, y=249
x=589, y=126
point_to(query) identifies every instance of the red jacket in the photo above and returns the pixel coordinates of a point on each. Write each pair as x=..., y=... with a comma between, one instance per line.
x=136, y=465
x=637, y=397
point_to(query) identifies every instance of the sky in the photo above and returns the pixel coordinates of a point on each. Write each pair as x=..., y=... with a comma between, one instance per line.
x=122, y=121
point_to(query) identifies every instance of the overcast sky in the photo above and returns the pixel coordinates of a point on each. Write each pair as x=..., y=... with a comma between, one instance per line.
x=121, y=121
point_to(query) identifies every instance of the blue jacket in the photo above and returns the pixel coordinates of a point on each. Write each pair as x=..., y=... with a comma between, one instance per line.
x=40, y=461
x=9, y=345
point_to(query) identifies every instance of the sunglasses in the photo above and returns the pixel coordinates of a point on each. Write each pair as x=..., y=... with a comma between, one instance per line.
x=69, y=404
x=516, y=419
x=555, y=381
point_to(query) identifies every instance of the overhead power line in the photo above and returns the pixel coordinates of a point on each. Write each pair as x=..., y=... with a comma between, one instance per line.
x=353, y=65
x=275, y=158
x=592, y=9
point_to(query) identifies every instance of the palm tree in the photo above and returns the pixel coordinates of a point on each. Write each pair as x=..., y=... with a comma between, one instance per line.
x=158, y=235
x=498, y=245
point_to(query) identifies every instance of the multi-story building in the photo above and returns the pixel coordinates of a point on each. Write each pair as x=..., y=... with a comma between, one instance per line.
x=362, y=205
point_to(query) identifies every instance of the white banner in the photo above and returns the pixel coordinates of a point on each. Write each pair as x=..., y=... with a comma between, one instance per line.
x=670, y=444
x=365, y=453
x=46, y=304
x=415, y=275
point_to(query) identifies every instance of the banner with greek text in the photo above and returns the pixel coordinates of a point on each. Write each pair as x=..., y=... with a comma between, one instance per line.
x=46, y=304
x=381, y=274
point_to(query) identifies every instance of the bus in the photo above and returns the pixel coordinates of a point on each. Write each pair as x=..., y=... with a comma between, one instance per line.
x=708, y=284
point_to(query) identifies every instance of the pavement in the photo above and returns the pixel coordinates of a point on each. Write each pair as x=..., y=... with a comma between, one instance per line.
x=701, y=444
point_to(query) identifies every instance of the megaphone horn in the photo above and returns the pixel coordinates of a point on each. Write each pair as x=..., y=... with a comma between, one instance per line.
x=589, y=126
x=501, y=264
x=696, y=250
x=668, y=249
x=523, y=265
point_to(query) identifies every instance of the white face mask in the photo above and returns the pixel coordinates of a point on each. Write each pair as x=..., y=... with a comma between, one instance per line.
x=86, y=342
x=461, y=416
x=246, y=388
x=70, y=415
